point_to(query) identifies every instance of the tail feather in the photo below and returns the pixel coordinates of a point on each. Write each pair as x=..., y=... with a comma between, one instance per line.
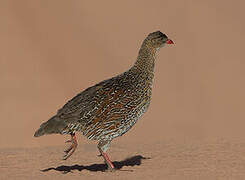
x=53, y=126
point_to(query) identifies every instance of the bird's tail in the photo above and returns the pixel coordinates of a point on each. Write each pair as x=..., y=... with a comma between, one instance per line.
x=53, y=126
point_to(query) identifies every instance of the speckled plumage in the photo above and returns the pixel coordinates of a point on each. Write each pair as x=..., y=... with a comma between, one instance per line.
x=110, y=108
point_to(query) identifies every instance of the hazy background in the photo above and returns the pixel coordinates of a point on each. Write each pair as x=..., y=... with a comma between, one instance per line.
x=52, y=50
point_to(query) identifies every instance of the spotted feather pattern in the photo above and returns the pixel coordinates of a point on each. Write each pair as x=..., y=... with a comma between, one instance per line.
x=110, y=108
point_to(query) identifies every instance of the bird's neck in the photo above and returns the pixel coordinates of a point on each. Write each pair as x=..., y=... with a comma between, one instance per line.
x=146, y=60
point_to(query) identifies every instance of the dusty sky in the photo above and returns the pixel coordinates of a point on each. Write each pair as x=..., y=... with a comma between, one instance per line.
x=52, y=50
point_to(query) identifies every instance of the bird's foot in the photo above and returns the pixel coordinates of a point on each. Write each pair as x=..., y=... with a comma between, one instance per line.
x=109, y=169
x=71, y=149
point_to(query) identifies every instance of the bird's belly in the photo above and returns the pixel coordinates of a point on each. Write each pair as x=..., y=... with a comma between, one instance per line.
x=133, y=118
x=110, y=129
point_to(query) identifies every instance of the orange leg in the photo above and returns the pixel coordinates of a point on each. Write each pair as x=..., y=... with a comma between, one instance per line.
x=71, y=149
x=103, y=146
x=108, y=162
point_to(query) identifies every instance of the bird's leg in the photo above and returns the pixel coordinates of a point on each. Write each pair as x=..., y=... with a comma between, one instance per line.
x=108, y=162
x=103, y=146
x=71, y=149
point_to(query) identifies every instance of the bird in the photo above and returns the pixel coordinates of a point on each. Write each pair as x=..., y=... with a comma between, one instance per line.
x=111, y=107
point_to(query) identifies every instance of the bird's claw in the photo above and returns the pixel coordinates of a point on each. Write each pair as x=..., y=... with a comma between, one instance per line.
x=71, y=149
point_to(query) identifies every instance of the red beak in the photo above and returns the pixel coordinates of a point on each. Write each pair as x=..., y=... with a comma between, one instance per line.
x=169, y=41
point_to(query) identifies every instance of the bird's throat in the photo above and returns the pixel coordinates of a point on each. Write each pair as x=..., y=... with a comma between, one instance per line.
x=146, y=60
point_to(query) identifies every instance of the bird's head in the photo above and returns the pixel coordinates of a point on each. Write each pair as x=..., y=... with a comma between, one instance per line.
x=158, y=39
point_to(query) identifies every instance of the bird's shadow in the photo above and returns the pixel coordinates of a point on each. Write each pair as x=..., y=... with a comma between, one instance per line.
x=132, y=161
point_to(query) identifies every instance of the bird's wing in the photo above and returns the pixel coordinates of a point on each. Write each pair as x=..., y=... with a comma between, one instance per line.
x=84, y=102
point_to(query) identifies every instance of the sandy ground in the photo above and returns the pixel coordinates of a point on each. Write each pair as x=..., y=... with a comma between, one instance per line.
x=218, y=159
x=52, y=50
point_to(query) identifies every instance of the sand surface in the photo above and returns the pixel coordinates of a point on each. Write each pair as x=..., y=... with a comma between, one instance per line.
x=219, y=159
x=52, y=50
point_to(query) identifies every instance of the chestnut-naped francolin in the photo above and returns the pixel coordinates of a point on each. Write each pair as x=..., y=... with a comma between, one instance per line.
x=110, y=108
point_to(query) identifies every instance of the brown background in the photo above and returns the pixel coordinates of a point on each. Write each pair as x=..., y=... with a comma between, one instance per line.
x=52, y=50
